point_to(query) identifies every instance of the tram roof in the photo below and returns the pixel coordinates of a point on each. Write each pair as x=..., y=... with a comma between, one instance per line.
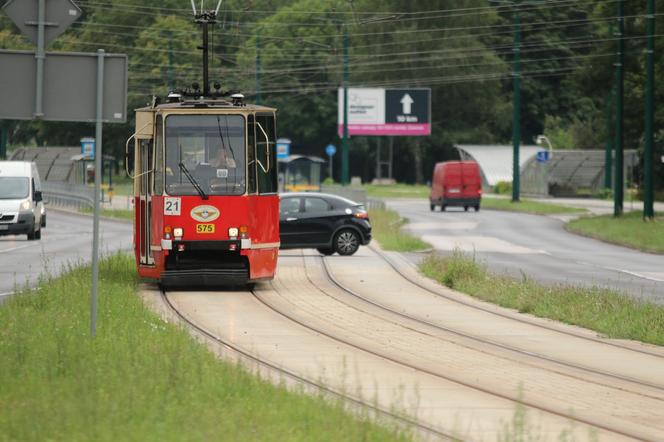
x=206, y=105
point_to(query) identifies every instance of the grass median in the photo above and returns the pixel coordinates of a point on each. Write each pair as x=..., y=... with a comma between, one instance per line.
x=140, y=378
x=397, y=191
x=602, y=310
x=528, y=206
x=386, y=228
x=629, y=230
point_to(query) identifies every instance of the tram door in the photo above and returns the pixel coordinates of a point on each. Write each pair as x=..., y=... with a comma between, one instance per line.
x=145, y=177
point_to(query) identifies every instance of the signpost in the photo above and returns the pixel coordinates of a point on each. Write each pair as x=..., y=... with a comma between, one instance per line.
x=330, y=150
x=69, y=87
x=542, y=156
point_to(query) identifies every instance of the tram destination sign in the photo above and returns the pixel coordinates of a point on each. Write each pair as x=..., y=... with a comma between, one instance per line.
x=387, y=112
x=70, y=86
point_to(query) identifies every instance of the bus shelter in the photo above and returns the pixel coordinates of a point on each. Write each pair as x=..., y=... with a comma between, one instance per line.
x=300, y=173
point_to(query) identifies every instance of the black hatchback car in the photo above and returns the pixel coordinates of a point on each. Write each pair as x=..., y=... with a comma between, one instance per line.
x=325, y=222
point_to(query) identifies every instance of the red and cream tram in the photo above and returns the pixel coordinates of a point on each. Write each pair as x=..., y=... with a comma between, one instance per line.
x=205, y=192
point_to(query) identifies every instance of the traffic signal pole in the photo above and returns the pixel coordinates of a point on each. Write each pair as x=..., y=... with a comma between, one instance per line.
x=344, y=141
x=648, y=191
x=516, y=111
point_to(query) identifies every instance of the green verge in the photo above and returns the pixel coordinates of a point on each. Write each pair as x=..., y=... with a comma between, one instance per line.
x=386, y=229
x=602, y=310
x=629, y=230
x=140, y=378
x=397, y=191
x=527, y=206
x=111, y=213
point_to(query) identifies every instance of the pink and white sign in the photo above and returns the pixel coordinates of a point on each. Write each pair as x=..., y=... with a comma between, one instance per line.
x=386, y=112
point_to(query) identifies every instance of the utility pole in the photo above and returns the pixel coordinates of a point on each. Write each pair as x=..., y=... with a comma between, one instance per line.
x=259, y=99
x=344, y=141
x=516, y=111
x=608, y=153
x=620, y=90
x=648, y=197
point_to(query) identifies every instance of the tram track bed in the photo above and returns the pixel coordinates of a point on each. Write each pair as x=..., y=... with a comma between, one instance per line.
x=359, y=328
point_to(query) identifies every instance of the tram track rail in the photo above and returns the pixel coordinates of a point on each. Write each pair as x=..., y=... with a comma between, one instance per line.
x=519, y=318
x=229, y=346
x=513, y=398
x=448, y=378
x=484, y=341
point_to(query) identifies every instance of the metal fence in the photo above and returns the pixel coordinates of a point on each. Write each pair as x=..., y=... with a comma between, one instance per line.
x=68, y=195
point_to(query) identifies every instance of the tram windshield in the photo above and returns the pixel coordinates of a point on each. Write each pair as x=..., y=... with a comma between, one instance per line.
x=212, y=148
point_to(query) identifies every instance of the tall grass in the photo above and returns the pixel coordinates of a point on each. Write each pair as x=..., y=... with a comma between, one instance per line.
x=140, y=378
x=599, y=309
x=386, y=228
x=629, y=230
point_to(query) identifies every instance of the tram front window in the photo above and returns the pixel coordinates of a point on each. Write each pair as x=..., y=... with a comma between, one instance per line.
x=212, y=148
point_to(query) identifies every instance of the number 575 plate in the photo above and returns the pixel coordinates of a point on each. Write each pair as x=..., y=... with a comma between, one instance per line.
x=204, y=228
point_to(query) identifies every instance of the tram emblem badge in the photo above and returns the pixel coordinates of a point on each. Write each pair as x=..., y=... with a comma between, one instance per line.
x=204, y=213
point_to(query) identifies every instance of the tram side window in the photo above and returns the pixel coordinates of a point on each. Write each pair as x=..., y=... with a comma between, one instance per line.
x=266, y=153
x=159, y=157
x=251, y=155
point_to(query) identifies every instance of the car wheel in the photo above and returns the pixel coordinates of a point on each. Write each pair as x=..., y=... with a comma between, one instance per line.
x=325, y=251
x=43, y=221
x=346, y=242
x=32, y=236
x=38, y=234
x=477, y=208
x=465, y=208
x=443, y=207
x=432, y=206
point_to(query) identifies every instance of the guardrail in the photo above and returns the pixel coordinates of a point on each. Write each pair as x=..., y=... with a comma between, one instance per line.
x=68, y=195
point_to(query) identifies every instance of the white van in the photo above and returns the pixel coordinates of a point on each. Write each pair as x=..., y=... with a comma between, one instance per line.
x=21, y=206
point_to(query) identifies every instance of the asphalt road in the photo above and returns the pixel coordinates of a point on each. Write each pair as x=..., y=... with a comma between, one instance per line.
x=536, y=246
x=66, y=239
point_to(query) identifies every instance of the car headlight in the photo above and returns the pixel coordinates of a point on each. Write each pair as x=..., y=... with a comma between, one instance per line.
x=25, y=205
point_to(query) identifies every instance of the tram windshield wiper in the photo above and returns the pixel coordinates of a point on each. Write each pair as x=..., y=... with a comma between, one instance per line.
x=193, y=181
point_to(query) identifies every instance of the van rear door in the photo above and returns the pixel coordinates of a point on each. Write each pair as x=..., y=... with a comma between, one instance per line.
x=453, y=180
x=472, y=184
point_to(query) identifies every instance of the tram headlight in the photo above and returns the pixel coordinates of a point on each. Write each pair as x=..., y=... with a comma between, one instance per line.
x=178, y=232
x=233, y=232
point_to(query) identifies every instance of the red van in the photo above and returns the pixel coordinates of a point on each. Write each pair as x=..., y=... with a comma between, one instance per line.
x=456, y=183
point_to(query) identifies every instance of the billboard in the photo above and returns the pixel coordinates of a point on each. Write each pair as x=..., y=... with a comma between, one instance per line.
x=386, y=112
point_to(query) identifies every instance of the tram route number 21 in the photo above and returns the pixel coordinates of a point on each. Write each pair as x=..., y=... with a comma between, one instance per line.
x=172, y=206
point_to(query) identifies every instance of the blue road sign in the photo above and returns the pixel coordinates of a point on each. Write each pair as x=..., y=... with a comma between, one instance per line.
x=88, y=148
x=283, y=148
x=330, y=150
x=542, y=156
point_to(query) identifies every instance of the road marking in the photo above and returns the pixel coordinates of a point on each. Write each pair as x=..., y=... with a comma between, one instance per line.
x=15, y=248
x=639, y=275
x=6, y=294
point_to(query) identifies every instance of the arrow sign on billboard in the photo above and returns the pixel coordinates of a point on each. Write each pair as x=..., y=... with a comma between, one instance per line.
x=407, y=102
